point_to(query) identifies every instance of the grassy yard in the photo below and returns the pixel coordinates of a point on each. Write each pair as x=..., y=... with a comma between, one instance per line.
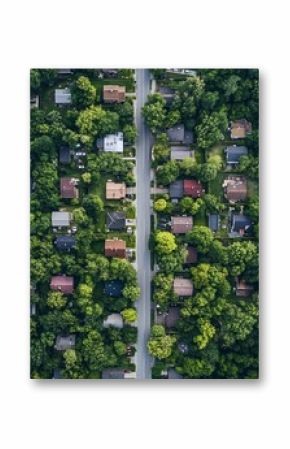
x=253, y=188
x=200, y=219
x=215, y=186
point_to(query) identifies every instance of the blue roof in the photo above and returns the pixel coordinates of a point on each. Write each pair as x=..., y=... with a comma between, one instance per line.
x=213, y=222
x=65, y=242
x=234, y=154
x=113, y=288
x=240, y=222
x=64, y=155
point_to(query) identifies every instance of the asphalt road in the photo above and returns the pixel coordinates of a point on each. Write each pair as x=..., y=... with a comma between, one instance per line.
x=143, y=360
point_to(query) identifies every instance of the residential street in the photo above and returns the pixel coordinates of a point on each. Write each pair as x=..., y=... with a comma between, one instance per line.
x=143, y=359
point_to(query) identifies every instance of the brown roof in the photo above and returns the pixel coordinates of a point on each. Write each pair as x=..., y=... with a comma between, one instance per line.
x=64, y=284
x=191, y=255
x=114, y=94
x=115, y=191
x=181, y=225
x=242, y=288
x=182, y=287
x=235, y=188
x=193, y=188
x=240, y=128
x=115, y=248
x=68, y=188
x=169, y=319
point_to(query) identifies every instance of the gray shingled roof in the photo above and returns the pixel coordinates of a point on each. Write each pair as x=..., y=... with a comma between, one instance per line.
x=234, y=154
x=116, y=220
x=176, y=189
x=60, y=218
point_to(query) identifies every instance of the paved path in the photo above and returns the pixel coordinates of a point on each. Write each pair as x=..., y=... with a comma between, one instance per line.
x=143, y=360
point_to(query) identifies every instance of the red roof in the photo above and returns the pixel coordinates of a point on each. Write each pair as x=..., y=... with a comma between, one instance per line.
x=114, y=94
x=115, y=248
x=68, y=188
x=193, y=188
x=64, y=284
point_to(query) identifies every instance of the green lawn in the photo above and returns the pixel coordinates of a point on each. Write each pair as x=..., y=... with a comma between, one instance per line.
x=215, y=186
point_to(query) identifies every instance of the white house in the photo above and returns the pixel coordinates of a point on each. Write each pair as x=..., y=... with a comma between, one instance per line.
x=114, y=143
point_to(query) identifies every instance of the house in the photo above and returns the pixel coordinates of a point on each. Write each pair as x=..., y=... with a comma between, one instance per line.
x=235, y=188
x=191, y=256
x=62, y=96
x=115, y=248
x=114, y=320
x=64, y=72
x=243, y=289
x=178, y=134
x=34, y=101
x=63, y=284
x=116, y=220
x=181, y=225
x=114, y=94
x=64, y=155
x=64, y=343
x=182, y=287
x=234, y=154
x=240, y=225
x=68, y=188
x=193, y=188
x=178, y=153
x=113, y=143
x=169, y=318
x=214, y=222
x=115, y=190
x=113, y=288
x=61, y=219
x=65, y=242
x=176, y=189
x=240, y=129
x=113, y=373
x=173, y=375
